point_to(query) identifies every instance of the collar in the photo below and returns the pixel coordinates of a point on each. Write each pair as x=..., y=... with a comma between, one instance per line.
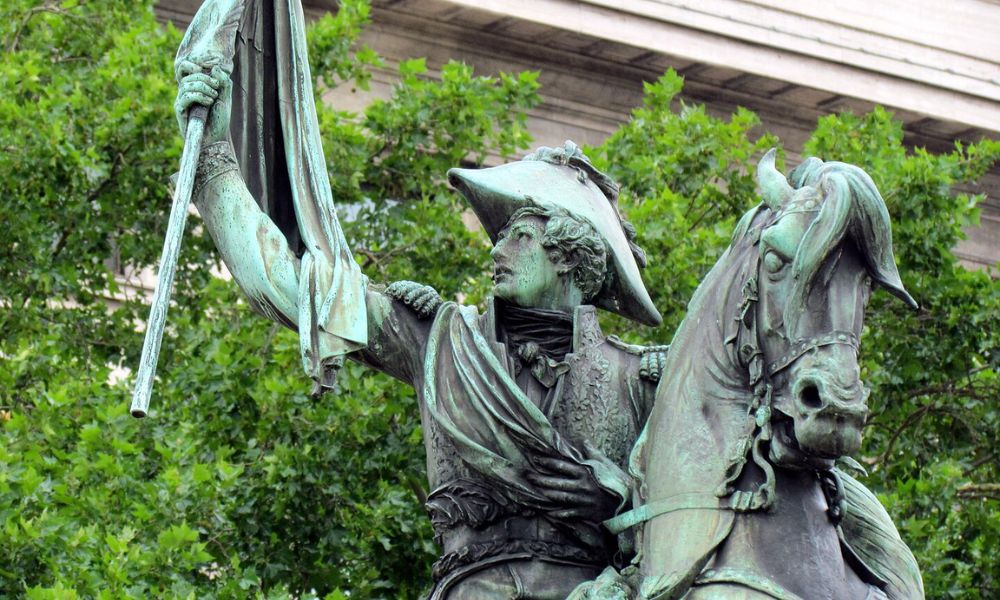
x=586, y=327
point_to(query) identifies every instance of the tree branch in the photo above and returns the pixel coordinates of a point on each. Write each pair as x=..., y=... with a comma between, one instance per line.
x=910, y=420
x=49, y=7
x=982, y=460
x=973, y=491
x=374, y=258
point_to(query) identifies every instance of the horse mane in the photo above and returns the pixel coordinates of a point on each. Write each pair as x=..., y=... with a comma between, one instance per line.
x=852, y=208
x=726, y=281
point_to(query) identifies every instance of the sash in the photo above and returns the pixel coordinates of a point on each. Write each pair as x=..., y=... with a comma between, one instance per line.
x=496, y=428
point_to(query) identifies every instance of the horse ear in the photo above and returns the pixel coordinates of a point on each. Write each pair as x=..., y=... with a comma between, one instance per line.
x=895, y=287
x=774, y=186
x=743, y=226
x=872, y=229
x=884, y=272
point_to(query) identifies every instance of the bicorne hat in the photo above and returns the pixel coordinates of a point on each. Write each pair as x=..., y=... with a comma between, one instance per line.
x=563, y=178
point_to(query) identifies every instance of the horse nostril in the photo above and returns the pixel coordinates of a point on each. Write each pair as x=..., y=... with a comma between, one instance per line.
x=810, y=397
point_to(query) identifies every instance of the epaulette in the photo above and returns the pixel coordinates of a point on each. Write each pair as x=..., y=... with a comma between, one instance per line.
x=421, y=299
x=652, y=363
x=652, y=358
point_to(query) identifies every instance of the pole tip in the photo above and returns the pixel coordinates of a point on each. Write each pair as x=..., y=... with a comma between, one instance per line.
x=138, y=413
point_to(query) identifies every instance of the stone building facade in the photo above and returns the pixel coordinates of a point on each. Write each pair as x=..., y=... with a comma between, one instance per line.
x=935, y=64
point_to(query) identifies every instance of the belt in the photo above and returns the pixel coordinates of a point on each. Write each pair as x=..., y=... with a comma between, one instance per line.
x=502, y=550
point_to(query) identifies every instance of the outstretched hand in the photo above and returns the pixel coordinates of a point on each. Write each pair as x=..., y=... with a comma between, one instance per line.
x=213, y=90
x=571, y=485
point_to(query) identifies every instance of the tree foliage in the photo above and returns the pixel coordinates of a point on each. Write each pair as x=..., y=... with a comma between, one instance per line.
x=931, y=442
x=240, y=484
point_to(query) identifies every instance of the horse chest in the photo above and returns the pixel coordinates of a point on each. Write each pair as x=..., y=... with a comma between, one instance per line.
x=794, y=546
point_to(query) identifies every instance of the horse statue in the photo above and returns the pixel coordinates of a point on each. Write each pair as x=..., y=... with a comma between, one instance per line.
x=739, y=495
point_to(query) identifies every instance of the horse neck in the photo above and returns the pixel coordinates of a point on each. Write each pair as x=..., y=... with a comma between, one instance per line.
x=698, y=420
x=703, y=350
x=701, y=404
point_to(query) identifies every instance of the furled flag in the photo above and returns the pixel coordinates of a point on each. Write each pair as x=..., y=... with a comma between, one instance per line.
x=275, y=133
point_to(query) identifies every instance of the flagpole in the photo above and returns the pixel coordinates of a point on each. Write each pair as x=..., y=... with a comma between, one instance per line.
x=168, y=262
x=209, y=41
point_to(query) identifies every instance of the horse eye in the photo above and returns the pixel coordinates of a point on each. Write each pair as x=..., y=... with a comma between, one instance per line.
x=773, y=262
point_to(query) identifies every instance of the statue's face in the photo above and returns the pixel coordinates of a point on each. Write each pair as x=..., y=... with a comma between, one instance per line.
x=523, y=272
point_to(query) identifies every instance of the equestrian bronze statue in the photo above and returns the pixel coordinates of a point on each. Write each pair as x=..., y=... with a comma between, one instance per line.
x=552, y=472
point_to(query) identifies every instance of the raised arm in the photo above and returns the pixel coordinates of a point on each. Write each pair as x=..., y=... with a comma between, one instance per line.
x=251, y=245
x=258, y=254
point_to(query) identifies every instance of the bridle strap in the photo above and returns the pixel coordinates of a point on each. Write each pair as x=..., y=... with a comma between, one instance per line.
x=641, y=514
x=759, y=415
x=848, y=338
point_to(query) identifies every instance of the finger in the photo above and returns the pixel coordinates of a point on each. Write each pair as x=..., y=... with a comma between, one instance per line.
x=188, y=87
x=558, y=465
x=567, y=498
x=559, y=483
x=423, y=301
x=428, y=301
x=223, y=80
x=218, y=74
x=227, y=82
x=180, y=109
x=575, y=513
x=187, y=99
x=202, y=77
x=185, y=68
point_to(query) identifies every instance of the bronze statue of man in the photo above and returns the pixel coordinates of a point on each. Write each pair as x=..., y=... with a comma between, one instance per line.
x=529, y=411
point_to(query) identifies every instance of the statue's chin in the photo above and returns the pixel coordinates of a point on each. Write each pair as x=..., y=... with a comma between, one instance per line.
x=505, y=290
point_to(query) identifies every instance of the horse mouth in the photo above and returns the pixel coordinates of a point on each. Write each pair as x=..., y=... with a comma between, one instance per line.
x=829, y=434
x=787, y=451
x=828, y=408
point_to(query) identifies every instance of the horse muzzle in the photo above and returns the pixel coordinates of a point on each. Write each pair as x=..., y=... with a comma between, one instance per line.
x=828, y=418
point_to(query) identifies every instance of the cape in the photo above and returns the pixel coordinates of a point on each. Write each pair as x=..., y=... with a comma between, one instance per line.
x=497, y=430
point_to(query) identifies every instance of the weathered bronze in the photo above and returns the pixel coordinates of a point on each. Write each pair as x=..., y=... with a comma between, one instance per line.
x=741, y=494
x=541, y=484
x=529, y=411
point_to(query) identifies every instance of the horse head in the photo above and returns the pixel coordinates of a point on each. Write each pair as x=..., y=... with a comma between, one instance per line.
x=825, y=243
x=753, y=412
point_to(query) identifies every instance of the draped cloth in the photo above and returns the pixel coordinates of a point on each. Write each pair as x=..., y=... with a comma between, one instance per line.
x=497, y=430
x=275, y=133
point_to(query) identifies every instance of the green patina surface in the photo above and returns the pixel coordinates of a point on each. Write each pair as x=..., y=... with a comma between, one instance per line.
x=529, y=411
x=530, y=414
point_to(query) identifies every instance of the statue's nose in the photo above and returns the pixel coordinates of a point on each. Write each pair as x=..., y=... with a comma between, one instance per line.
x=498, y=248
x=818, y=396
x=809, y=396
